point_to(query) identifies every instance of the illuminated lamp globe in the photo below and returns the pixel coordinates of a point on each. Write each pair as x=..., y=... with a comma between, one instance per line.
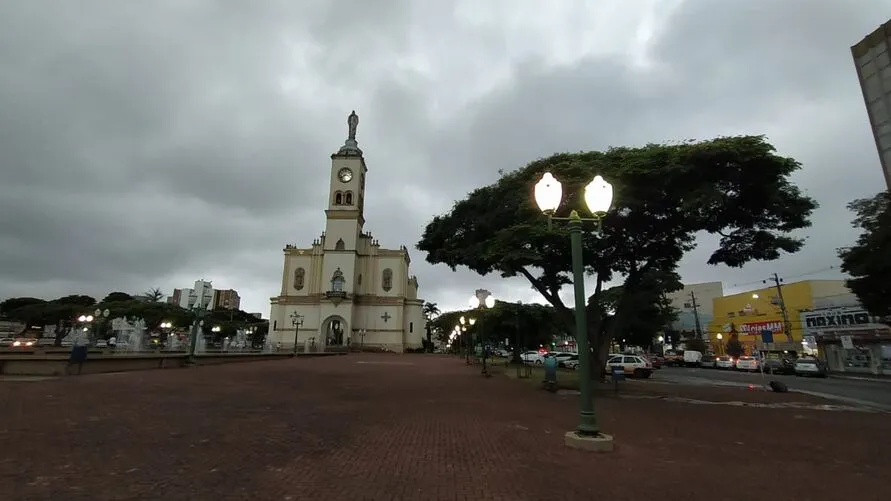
x=490, y=301
x=548, y=193
x=474, y=302
x=598, y=195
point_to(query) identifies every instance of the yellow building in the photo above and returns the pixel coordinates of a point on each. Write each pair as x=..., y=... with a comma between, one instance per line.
x=749, y=314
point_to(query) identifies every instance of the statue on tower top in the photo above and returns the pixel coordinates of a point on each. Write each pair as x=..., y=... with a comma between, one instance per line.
x=350, y=146
x=353, y=123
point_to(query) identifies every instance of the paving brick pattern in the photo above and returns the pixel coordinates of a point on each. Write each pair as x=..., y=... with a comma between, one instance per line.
x=410, y=427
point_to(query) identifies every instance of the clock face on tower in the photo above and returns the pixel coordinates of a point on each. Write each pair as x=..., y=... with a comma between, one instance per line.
x=345, y=175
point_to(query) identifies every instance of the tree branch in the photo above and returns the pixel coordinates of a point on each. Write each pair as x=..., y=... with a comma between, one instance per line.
x=552, y=298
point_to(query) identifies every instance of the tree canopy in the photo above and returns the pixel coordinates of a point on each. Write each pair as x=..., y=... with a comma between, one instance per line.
x=525, y=326
x=867, y=260
x=664, y=195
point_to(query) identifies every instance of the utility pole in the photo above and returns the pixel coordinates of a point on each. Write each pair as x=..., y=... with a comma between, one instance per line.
x=787, y=325
x=695, y=308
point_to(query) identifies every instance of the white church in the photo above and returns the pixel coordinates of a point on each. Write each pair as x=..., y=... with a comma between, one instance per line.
x=345, y=289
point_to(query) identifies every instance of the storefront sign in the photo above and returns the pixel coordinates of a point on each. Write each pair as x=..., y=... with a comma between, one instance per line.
x=755, y=328
x=838, y=318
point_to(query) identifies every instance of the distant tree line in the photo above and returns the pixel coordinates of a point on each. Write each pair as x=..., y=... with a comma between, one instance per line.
x=62, y=314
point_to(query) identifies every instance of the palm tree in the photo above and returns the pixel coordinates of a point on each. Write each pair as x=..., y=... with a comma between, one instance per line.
x=154, y=295
x=431, y=311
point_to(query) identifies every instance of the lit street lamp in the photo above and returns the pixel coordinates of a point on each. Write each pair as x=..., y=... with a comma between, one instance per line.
x=598, y=197
x=297, y=322
x=720, y=344
x=482, y=298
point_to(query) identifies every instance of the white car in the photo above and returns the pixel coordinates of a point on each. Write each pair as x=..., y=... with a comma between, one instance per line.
x=532, y=357
x=632, y=365
x=724, y=362
x=562, y=356
x=746, y=363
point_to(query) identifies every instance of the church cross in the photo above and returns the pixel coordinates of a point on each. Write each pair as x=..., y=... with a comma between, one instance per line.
x=386, y=316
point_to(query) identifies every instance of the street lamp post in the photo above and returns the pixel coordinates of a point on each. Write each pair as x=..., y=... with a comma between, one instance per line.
x=482, y=299
x=720, y=337
x=297, y=322
x=468, y=339
x=598, y=197
x=167, y=327
x=362, y=338
x=197, y=322
x=88, y=320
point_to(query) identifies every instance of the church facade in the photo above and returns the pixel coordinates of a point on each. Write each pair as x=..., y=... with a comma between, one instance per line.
x=345, y=289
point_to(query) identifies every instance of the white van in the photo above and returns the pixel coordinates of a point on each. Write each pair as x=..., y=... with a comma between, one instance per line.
x=692, y=358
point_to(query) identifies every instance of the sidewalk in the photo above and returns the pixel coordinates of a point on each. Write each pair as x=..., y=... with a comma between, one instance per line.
x=414, y=427
x=878, y=378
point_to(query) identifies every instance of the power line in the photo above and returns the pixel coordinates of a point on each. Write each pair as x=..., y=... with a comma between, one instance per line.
x=805, y=274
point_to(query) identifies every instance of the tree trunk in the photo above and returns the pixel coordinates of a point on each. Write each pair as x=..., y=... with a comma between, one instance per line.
x=60, y=332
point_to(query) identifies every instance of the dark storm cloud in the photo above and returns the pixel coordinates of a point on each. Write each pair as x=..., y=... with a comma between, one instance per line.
x=153, y=146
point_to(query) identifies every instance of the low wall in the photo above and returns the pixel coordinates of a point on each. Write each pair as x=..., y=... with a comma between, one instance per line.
x=58, y=365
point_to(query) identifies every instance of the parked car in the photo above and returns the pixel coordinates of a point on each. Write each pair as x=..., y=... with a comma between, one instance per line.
x=779, y=366
x=6, y=342
x=562, y=356
x=632, y=365
x=674, y=358
x=708, y=362
x=692, y=358
x=724, y=362
x=657, y=361
x=747, y=363
x=533, y=357
x=810, y=367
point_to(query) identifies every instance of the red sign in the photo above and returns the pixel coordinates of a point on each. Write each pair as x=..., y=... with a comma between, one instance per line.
x=755, y=328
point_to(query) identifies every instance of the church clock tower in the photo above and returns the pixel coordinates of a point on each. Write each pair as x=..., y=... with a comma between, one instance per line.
x=346, y=195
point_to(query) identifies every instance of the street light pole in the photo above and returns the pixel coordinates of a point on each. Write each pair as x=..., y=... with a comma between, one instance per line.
x=297, y=322
x=193, y=336
x=587, y=419
x=482, y=299
x=598, y=197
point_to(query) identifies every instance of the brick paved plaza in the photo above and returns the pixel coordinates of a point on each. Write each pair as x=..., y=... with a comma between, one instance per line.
x=412, y=427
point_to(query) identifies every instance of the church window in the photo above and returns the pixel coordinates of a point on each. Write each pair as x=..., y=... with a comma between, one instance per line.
x=411, y=327
x=387, y=279
x=360, y=279
x=337, y=281
x=299, y=278
x=339, y=245
x=338, y=198
x=274, y=324
x=348, y=198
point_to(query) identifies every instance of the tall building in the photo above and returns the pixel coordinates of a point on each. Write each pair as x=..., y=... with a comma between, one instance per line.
x=702, y=296
x=871, y=57
x=345, y=288
x=203, y=295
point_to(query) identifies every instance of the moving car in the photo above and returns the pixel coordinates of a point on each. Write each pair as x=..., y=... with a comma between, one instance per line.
x=533, y=357
x=810, y=367
x=779, y=366
x=747, y=363
x=724, y=362
x=632, y=365
x=708, y=362
x=572, y=360
x=692, y=358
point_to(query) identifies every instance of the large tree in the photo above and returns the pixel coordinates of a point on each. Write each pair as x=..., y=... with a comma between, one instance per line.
x=867, y=260
x=734, y=187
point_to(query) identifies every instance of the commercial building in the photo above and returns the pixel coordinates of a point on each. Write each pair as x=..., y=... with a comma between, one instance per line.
x=770, y=312
x=871, y=58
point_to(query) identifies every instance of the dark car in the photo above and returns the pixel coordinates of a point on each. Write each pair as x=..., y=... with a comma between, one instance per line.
x=779, y=366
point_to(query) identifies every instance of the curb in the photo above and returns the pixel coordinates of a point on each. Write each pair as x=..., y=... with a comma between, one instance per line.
x=861, y=378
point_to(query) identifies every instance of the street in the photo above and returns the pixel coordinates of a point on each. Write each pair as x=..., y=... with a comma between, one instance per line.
x=872, y=393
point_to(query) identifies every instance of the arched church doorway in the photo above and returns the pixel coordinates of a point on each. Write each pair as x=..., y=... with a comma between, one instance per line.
x=333, y=330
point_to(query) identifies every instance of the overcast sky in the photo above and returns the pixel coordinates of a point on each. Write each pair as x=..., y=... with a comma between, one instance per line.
x=150, y=144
